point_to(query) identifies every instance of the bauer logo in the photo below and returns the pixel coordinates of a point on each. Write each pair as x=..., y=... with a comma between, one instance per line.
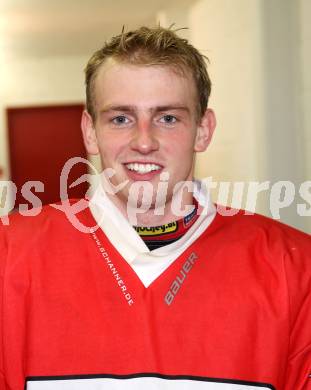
x=180, y=278
x=139, y=382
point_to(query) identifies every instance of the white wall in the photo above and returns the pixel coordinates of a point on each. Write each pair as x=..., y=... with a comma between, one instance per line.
x=257, y=93
x=228, y=33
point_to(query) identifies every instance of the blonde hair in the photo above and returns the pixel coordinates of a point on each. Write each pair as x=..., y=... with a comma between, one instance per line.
x=151, y=46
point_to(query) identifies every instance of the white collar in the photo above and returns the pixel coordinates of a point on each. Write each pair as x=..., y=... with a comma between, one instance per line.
x=130, y=245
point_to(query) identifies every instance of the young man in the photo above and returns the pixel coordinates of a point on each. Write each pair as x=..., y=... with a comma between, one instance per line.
x=166, y=293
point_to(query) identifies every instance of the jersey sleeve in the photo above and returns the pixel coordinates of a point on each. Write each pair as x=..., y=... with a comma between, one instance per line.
x=2, y=269
x=298, y=270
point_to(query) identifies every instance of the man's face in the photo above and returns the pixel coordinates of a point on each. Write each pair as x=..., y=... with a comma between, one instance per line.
x=146, y=124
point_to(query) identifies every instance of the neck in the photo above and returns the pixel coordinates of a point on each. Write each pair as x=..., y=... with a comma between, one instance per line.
x=176, y=208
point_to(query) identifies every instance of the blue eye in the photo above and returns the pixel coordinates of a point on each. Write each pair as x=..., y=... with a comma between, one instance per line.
x=170, y=119
x=120, y=120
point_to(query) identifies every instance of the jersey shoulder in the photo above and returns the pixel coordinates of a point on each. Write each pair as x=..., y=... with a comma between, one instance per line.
x=54, y=218
x=244, y=227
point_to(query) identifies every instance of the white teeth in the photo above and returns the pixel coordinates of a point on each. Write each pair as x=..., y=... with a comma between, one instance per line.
x=142, y=168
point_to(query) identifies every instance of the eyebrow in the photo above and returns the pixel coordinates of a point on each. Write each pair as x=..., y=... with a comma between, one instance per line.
x=127, y=108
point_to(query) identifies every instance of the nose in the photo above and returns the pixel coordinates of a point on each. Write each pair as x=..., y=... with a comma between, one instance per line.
x=144, y=139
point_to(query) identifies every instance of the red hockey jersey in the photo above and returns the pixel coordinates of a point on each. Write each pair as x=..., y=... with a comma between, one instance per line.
x=233, y=312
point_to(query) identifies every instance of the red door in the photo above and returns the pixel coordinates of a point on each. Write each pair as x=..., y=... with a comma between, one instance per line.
x=41, y=140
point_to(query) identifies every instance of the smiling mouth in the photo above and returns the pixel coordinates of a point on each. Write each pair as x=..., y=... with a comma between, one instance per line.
x=143, y=168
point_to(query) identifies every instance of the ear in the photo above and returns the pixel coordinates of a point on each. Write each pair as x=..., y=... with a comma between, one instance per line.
x=205, y=131
x=89, y=134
